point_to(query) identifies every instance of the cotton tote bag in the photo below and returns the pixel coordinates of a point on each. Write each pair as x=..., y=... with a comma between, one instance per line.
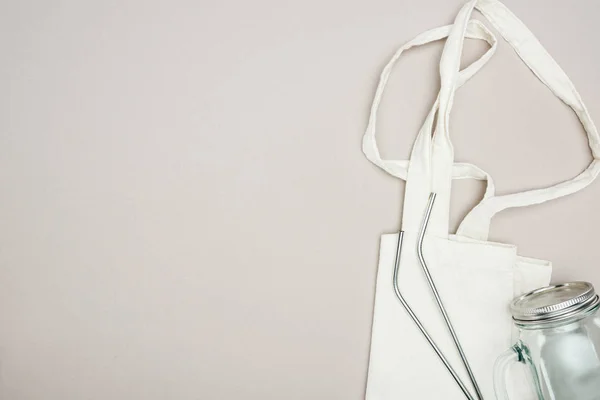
x=476, y=278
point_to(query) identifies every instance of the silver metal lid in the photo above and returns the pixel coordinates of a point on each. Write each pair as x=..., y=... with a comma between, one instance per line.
x=554, y=303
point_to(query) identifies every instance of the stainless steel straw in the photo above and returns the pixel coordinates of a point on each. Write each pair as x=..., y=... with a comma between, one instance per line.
x=438, y=299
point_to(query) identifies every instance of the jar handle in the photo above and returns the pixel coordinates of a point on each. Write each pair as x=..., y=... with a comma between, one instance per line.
x=512, y=355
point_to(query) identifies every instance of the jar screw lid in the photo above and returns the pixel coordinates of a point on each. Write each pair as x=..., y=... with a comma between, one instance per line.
x=554, y=303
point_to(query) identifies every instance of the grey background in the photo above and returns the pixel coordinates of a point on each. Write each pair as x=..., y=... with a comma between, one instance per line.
x=185, y=209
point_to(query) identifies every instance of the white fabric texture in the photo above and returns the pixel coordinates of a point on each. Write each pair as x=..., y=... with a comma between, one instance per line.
x=476, y=278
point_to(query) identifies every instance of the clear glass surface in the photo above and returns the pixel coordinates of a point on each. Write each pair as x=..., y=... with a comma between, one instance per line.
x=563, y=359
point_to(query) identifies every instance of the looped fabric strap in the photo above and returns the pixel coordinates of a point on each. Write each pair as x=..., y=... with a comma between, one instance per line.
x=533, y=54
x=399, y=168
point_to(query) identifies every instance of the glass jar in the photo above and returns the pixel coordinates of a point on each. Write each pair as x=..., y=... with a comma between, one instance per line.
x=559, y=343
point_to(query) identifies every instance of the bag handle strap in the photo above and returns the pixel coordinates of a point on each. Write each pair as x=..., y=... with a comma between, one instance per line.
x=533, y=54
x=399, y=168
